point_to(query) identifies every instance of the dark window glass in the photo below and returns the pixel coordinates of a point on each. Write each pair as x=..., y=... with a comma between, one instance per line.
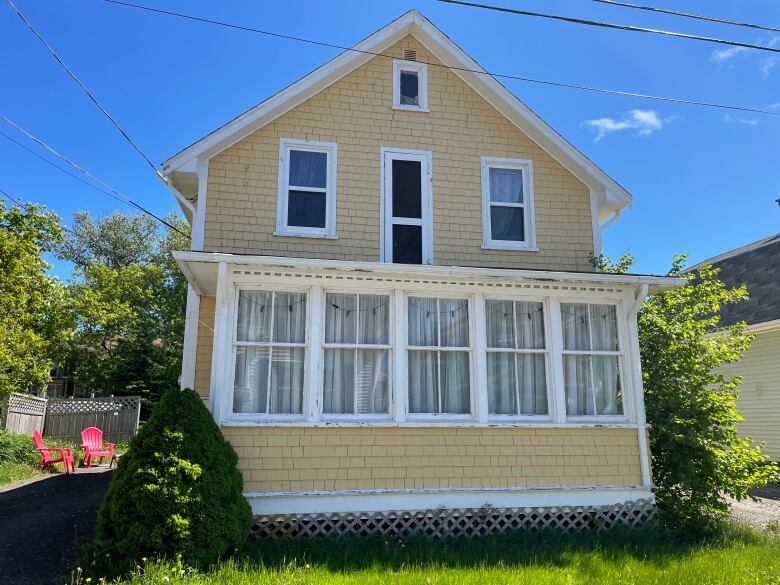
x=308, y=169
x=506, y=223
x=305, y=209
x=407, y=188
x=407, y=244
x=410, y=92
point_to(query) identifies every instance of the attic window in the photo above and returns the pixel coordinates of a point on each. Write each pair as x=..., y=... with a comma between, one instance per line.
x=410, y=85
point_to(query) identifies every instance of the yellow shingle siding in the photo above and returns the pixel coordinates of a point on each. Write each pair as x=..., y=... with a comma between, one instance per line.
x=759, y=398
x=205, y=344
x=355, y=112
x=282, y=459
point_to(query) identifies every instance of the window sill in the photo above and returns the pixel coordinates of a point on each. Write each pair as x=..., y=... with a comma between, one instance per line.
x=330, y=423
x=509, y=246
x=306, y=235
x=411, y=109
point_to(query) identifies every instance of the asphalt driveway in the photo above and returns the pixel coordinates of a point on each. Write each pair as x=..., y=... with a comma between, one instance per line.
x=43, y=523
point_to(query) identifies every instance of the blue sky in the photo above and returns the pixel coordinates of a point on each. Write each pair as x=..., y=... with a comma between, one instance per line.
x=704, y=181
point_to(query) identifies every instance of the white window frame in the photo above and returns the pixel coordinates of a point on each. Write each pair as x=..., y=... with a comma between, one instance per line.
x=471, y=349
x=625, y=381
x=421, y=69
x=387, y=220
x=529, y=217
x=549, y=389
x=390, y=346
x=282, y=227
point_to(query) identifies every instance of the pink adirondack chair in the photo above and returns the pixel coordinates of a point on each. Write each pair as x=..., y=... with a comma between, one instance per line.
x=65, y=456
x=94, y=446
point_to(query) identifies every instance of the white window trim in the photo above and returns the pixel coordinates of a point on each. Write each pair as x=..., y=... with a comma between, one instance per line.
x=425, y=157
x=529, y=216
x=330, y=149
x=421, y=69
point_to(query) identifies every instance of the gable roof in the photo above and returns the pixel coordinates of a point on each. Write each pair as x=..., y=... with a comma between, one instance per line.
x=756, y=265
x=611, y=197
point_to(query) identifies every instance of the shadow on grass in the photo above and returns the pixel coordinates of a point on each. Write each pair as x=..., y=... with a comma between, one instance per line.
x=654, y=546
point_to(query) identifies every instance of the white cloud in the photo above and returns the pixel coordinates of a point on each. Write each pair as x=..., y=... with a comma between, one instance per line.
x=721, y=55
x=767, y=65
x=774, y=106
x=747, y=121
x=644, y=122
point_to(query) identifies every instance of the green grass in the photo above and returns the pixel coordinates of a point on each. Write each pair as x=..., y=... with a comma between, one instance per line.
x=733, y=556
x=11, y=471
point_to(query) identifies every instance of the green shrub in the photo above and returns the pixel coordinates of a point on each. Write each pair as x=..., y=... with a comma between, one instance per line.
x=176, y=493
x=18, y=449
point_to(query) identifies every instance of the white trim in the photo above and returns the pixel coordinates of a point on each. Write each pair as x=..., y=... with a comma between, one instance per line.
x=314, y=335
x=446, y=51
x=309, y=502
x=400, y=400
x=633, y=360
x=222, y=344
x=199, y=220
x=190, y=345
x=421, y=69
x=525, y=166
x=330, y=149
x=424, y=157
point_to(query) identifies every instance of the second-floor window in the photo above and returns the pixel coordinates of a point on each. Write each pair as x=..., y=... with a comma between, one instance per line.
x=507, y=204
x=306, y=204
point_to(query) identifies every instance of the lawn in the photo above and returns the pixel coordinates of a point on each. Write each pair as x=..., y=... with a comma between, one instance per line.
x=734, y=555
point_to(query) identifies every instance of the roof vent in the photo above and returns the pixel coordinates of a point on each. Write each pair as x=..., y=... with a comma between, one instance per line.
x=410, y=55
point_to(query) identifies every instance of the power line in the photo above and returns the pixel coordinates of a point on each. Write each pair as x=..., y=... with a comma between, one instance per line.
x=452, y=68
x=83, y=87
x=612, y=25
x=688, y=15
x=118, y=195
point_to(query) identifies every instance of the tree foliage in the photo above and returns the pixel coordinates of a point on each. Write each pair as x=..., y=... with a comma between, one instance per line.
x=35, y=321
x=697, y=452
x=129, y=298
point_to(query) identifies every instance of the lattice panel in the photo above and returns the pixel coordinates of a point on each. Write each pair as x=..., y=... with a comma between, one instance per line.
x=24, y=404
x=461, y=523
x=93, y=405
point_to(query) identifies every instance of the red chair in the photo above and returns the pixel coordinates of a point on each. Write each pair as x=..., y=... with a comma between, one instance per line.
x=65, y=456
x=93, y=445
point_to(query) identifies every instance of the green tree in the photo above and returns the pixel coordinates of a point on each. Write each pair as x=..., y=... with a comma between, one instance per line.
x=129, y=298
x=697, y=452
x=35, y=322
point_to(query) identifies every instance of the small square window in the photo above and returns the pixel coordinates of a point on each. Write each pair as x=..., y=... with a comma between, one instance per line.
x=410, y=85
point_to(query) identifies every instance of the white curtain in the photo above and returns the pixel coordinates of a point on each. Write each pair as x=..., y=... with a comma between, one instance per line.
x=254, y=316
x=308, y=169
x=506, y=185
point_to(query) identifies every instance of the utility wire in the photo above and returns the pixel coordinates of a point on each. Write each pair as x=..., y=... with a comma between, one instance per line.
x=688, y=15
x=83, y=87
x=452, y=68
x=613, y=25
x=83, y=171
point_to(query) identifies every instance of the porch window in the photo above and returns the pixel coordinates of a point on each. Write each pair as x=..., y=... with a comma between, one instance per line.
x=357, y=355
x=516, y=369
x=439, y=356
x=507, y=204
x=306, y=203
x=591, y=360
x=270, y=348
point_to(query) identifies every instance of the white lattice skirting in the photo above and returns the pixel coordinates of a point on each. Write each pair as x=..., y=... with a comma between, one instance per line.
x=459, y=523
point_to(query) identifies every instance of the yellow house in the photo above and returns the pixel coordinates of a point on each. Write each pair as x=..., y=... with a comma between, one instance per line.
x=391, y=306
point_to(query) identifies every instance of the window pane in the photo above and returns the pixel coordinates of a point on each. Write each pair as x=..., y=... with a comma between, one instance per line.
x=308, y=169
x=455, y=382
x=606, y=382
x=454, y=319
x=578, y=384
x=287, y=380
x=423, y=321
x=499, y=322
x=530, y=325
x=576, y=327
x=407, y=244
x=374, y=315
x=506, y=223
x=290, y=318
x=533, y=383
x=502, y=389
x=407, y=188
x=306, y=209
x=603, y=327
x=506, y=185
x=254, y=316
x=339, y=385
x=409, y=89
x=250, y=388
x=372, y=384
x=340, y=318
x=423, y=382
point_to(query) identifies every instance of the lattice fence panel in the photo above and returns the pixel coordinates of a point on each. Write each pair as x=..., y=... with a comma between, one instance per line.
x=23, y=414
x=117, y=417
x=458, y=523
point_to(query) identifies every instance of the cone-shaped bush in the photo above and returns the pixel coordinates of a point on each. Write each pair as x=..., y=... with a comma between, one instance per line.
x=176, y=492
